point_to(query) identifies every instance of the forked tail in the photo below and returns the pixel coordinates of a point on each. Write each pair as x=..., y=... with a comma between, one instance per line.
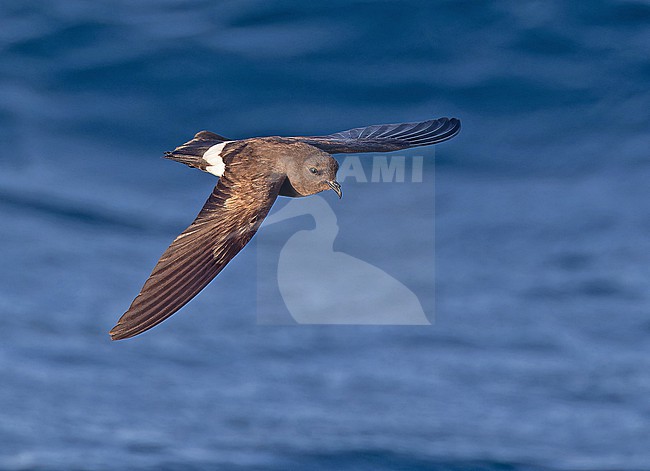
x=191, y=153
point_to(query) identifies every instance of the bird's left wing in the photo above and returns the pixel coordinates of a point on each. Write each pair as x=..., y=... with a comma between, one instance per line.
x=386, y=137
x=228, y=220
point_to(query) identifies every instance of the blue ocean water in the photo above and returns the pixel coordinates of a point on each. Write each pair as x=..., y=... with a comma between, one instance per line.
x=539, y=356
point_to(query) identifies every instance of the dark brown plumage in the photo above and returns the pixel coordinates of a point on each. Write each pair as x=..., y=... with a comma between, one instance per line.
x=253, y=173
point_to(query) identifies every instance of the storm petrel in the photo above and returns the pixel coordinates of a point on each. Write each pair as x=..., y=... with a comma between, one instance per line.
x=252, y=174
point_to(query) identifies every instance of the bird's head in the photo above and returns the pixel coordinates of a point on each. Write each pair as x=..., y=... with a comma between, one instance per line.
x=312, y=171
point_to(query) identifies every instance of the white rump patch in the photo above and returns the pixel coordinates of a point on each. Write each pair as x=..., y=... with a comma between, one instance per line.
x=213, y=157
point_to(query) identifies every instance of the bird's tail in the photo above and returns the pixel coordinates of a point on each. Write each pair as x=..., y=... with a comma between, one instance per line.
x=191, y=153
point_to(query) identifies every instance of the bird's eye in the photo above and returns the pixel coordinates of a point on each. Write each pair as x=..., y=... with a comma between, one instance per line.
x=313, y=170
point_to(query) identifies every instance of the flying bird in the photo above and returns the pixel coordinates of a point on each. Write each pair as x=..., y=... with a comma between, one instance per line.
x=252, y=174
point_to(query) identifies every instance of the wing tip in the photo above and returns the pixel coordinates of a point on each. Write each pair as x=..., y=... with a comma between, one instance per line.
x=119, y=332
x=129, y=325
x=449, y=128
x=125, y=328
x=455, y=127
x=115, y=336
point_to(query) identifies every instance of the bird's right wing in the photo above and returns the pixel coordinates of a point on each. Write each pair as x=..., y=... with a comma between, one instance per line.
x=231, y=216
x=386, y=137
